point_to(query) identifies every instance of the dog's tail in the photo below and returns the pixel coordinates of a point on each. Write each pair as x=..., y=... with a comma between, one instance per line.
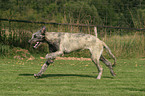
x=110, y=53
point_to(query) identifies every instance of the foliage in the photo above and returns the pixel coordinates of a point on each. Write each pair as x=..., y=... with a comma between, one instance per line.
x=105, y=12
x=81, y=12
x=4, y=50
x=71, y=78
x=127, y=46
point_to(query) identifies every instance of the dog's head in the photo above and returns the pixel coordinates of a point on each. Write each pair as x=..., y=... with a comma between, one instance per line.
x=38, y=37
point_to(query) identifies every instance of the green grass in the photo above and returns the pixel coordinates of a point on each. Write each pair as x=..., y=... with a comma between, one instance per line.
x=71, y=78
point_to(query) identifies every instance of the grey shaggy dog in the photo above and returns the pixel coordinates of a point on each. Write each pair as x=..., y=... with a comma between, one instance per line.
x=61, y=43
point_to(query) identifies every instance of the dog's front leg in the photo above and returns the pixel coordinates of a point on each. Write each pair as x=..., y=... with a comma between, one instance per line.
x=44, y=67
x=53, y=55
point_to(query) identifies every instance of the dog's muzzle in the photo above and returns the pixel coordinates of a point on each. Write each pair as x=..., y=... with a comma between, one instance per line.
x=37, y=44
x=34, y=44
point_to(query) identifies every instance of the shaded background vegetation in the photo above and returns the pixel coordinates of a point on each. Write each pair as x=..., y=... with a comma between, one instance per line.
x=128, y=13
x=122, y=13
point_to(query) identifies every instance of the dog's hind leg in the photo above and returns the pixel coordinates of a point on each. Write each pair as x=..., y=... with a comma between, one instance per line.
x=95, y=58
x=108, y=64
x=100, y=69
x=44, y=67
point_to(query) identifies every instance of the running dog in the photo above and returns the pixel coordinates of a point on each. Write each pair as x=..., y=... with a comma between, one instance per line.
x=61, y=43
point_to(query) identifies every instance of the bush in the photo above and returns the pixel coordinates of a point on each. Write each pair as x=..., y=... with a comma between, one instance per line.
x=4, y=50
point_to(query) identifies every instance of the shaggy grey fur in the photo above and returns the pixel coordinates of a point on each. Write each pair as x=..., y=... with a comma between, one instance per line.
x=61, y=43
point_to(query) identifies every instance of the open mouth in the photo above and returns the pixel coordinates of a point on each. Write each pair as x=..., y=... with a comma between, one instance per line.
x=37, y=44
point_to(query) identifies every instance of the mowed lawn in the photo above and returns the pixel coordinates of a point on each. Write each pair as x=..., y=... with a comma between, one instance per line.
x=71, y=78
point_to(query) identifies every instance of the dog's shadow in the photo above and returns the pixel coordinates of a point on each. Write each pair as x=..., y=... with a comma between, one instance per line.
x=64, y=75
x=59, y=75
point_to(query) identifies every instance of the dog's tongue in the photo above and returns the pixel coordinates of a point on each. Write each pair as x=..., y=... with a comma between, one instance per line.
x=36, y=45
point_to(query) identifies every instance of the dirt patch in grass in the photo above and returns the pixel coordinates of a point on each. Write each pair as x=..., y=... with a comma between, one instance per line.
x=73, y=58
x=70, y=58
x=22, y=54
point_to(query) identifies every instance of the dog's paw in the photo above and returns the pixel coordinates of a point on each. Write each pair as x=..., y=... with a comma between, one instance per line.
x=37, y=75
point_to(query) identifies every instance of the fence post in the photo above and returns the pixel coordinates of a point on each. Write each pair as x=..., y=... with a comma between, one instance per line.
x=95, y=30
x=0, y=30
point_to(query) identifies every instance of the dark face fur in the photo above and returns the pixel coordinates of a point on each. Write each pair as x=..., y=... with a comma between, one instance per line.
x=37, y=37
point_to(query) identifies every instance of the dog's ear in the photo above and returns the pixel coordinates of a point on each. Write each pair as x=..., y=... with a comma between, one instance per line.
x=43, y=30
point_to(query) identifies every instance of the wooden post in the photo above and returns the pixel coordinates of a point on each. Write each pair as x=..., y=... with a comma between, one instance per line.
x=0, y=30
x=95, y=30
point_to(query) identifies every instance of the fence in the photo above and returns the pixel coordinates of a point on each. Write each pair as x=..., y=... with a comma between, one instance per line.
x=18, y=32
x=82, y=25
